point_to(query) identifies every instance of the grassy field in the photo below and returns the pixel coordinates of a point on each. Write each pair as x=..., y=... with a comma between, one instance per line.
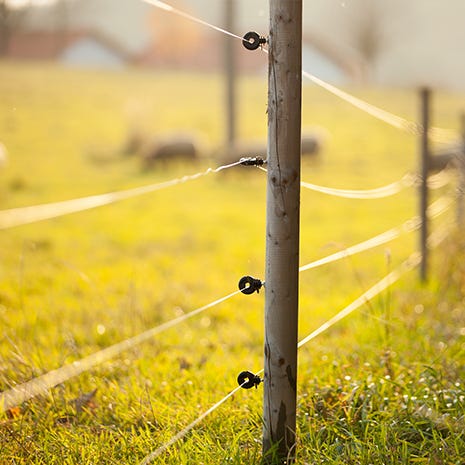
x=386, y=385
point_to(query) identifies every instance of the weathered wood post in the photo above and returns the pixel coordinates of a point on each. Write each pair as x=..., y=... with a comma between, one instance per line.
x=230, y=77
x=282, y=229
x=461, y=168
x=424, y=170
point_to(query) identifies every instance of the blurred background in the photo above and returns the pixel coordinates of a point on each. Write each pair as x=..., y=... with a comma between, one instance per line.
x=388, y=42
x=95, y=97
x=101, y=79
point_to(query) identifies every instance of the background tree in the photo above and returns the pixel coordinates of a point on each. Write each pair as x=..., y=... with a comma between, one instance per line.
x=371, y=30
x=10, y=21
x=368, y=35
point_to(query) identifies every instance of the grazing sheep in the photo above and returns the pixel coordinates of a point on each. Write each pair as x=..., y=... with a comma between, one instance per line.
x=313, y=140
x=175, y=148
x=311, y=146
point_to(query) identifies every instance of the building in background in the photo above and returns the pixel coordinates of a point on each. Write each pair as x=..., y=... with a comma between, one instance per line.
x=381, y=42
x=74, y=48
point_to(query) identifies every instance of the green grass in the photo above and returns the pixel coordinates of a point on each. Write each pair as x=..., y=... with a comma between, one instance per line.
x=384, y=386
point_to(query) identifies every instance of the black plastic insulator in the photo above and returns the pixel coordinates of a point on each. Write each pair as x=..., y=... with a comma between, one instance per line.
x=251, y=41
x=249, y=285
x=252, y=161
x=248, y=380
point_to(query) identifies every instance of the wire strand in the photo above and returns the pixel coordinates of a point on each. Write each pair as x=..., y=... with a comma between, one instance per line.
x=434, y=240
x=438, y=180
x=163, y=448
x=25, y=215
x=392, y=277
x=412, y=262
x=166, y=7
x=380, y=286
x=435, y=209
x=377, y=193
x=435, y=181
x=41, y=384
x=378, y=113
x=436, y=134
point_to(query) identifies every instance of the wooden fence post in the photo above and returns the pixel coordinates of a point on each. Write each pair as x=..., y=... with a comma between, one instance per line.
x=282, y=230
x=424, y=170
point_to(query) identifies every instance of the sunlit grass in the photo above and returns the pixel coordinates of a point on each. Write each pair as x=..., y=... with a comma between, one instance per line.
x=376, y=388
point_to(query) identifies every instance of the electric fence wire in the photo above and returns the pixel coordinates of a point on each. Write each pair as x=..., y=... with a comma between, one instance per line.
x=434, y=240
x=42, y=384
x=438, y=180
x=181, y=434
x=394, y=276
x=435, y=181
x=25, y=215
x=171, y=9
x=437, y=208
x=378, y=193
x=409, y=264
x=436, y=134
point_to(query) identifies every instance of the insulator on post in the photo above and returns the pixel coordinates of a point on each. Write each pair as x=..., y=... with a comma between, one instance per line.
x=248, y=380
x=251, y=41
x=252, y=161
x=248, y=285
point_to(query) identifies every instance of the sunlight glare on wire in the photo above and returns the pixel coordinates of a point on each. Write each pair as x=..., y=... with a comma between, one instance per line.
x=387, y=281
x=45, y=382
x=40, y=385
x=435, y=181
x=164, y=447
x=412, y=261
x=25, y=215
x=436, y=134
x=166, y=7
x=437, y=208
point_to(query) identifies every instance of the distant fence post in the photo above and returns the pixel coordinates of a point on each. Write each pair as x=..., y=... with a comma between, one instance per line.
x=461, y=168
x=424, y=170
x=230, y=77
x=282, y=231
